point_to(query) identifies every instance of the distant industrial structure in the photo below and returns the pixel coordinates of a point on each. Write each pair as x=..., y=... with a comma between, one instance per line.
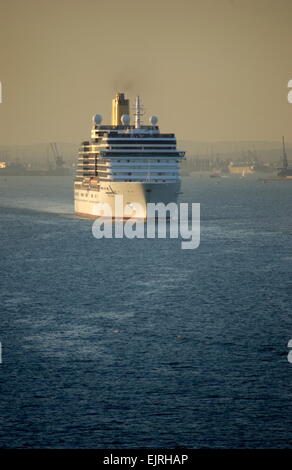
x=9, y=167
x=285, y=170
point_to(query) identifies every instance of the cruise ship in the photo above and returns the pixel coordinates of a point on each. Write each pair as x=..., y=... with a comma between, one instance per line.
x=126, y=159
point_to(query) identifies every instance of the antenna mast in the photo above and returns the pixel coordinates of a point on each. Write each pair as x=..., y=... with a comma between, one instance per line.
x=138, y=112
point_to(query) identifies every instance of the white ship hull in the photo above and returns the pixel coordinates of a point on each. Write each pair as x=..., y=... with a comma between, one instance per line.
x=87, y=200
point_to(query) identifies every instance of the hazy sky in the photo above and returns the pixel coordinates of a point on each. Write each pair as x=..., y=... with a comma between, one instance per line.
x=209, y=69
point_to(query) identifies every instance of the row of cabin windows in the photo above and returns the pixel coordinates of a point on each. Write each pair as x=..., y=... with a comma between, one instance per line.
x=155, y=141
x=155, y=181
x=86, y=195
x=136, y=147
x=159, y=174
x=132, y=161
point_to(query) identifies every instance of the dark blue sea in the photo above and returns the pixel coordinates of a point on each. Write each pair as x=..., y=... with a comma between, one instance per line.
x=119, y=343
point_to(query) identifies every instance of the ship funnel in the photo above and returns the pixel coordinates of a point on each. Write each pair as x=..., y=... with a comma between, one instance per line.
x=120, y=106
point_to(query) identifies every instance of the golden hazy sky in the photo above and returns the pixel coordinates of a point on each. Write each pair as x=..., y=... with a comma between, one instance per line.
x=209, y=69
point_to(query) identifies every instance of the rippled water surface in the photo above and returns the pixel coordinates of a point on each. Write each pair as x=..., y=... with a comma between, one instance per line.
x=137, y=343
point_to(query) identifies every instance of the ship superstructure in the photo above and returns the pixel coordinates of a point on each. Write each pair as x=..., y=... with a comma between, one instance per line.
x=132, y=160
